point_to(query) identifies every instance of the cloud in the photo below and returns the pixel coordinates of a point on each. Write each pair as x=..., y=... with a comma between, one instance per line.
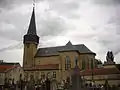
x=107, y=2
x=8, y=5
x=51, y=26
x=12, y=47
x=12, y=56
x=81, y=21
x=66, y=8
x=47, y=22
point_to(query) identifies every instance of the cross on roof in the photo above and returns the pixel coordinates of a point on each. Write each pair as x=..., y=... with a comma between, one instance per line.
x=33, y=3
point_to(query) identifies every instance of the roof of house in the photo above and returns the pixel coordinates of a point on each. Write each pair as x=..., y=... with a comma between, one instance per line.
x=100, y=71
x=8, y=64
x=4, y=66
x=49, y=51
x=2, y=70
x=12, y=68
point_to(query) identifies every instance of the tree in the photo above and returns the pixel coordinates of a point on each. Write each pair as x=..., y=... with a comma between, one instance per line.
x=110, y=56
x=99, y=62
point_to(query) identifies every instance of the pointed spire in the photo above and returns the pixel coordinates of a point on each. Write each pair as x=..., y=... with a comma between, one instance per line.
x=31, y=36
x=32, y=25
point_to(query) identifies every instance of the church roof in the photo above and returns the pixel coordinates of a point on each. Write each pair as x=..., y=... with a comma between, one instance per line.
x=50, y=51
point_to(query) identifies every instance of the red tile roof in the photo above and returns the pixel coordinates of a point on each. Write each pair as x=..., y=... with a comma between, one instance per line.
x=4, y=68
x=13, y=67
x=44, y=67
x=100, y=71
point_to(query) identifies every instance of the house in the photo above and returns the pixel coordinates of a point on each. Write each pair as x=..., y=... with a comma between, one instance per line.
x=10, y=71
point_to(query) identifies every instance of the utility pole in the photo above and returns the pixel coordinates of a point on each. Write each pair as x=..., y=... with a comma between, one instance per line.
x=92, y=70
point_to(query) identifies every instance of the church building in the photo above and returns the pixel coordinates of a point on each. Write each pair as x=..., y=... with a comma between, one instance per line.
x=54, y=62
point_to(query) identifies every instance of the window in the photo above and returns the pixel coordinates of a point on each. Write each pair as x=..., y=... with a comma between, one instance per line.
x=26, y=74
x=25, y=62
x=28, y=45
x=76, y=60
x=83, y=64
x=88, y=63
x=39, y=62
x=92, y=63
x=54, y=74
x=67, y=63
x=42, y=74
x=84, y=59
x=35, y=46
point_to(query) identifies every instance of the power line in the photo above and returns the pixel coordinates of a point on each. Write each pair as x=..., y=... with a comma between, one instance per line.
x=10, y=47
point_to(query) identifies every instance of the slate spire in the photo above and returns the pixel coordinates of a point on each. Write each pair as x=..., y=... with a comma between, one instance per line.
x=31, y=36
x=32, y=25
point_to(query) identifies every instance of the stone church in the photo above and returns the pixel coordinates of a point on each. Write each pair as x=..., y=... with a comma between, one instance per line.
x=54, y=62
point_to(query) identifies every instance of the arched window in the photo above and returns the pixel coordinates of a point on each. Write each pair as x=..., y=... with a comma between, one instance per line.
x=92, y=63
x=67, y=63
x=83, y=64
x=28, y=45
x=87, y=62
x=76, y=60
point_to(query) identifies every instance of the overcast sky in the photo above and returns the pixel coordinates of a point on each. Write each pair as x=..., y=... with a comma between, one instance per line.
x=95, y=23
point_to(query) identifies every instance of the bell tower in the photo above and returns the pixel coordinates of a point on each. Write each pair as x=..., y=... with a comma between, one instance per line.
x=31, y=41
